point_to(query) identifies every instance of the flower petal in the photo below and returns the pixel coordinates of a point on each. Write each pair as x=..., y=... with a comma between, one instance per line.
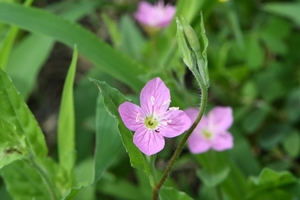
x=220, y=119
x=169, y=12
x=131, y=115
x=197, y=143
x=174, y=123
x=222, y=141
x=149, y=142
x=155, y=96
x=192, y=113
x=143, y=10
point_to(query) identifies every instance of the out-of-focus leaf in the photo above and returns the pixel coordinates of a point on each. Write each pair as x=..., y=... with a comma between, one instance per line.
x=111, y=61
x=4, y=194
x=132, y=40
x=273, y=135
x=167, y=193
x=292, y=105
x=113, y=30
x=29, y=54
x=241, y=150
x=66, y=121
x=121, y=189
x=26, y=60
x=14, y=110
x=254, y=119
x=274, y=195
x=249, y=91
x=274, y=33
x=84, y=176
x=254, y=53
x=213, y=179
x=234, y=185
x=284, y=9
x=112, y=99
x=291, y=144
x=267, y=181
x=108, y=142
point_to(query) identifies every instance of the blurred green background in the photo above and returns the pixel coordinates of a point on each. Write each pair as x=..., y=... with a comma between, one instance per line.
x=254, y=66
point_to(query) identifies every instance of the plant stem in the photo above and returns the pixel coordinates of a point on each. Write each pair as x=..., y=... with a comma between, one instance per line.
x=47, y=180
x=182, y=143
x=151, y=161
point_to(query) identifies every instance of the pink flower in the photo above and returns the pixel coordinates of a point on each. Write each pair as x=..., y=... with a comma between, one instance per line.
x=158, y=15
x=153, y=121
x=212, y=131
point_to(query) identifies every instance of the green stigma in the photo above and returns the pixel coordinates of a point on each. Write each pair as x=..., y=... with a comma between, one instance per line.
x=151, y=122
x=207, y=134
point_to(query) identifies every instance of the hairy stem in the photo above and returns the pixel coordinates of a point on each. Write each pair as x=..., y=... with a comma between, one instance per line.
x=182, y=143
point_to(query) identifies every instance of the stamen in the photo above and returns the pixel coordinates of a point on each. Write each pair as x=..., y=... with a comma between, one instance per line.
x=137, y=117
x=174, y=108
x=166, y=102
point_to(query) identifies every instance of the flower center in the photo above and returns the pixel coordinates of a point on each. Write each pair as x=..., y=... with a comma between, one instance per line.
x=207, y=134
x=151, y=122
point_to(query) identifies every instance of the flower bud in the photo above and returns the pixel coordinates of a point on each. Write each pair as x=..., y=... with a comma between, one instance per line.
x=186, y=52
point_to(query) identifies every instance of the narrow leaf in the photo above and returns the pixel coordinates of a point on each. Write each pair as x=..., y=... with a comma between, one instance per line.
x=108, y=59
x=26, y=60
x=66, y=121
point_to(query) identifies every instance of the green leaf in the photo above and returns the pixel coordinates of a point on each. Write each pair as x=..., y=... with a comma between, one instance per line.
x=291, y=144
x=114, y=33
x=273, y=135
x=120, y=189
x=269, y=180
x=66, y=121
x=23, y=182
x=254, y=119
x=28, y=55
x=14, y=110
x=12, y=146
x=26, y=60
x=108, y=59
x=213, y=179
x=132, y=40
x=288, y=10
x=254, y=54
x=292, y=105
x=112, y=99
x=108, y=142
x=167, y=193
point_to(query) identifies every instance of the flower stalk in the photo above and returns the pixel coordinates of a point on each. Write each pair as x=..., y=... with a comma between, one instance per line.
x=194, y=56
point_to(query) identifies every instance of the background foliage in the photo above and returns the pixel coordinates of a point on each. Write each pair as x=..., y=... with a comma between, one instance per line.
x=254, y=68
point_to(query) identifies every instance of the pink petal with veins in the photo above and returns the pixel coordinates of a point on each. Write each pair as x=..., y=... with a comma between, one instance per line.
x=131, y=115
x=149, y=142
x=155, y=96
x=175, y=122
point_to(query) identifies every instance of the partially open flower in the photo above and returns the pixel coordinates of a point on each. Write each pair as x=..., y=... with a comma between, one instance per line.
x=212, y=131
x=153, y=120
x=155, y=16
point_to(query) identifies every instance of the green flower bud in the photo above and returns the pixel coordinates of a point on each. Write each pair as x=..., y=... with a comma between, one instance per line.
x=190, y=35
x=190, y=47
x=185, y=51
